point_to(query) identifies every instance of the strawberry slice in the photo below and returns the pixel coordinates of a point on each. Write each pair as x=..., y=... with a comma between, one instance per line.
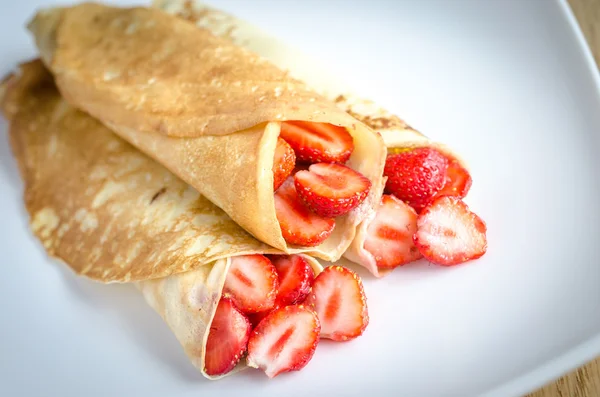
x=284, y=341
x=227, y=339
x=331, y=190
x=340, y=302
x=448, y=233
x=390, y=235
x=318, y=142
x=256, y=318
x=416, y=176
x=458, y=181
x=299, y=225
x=295, y=278
x=251, y=283
x=283, y=163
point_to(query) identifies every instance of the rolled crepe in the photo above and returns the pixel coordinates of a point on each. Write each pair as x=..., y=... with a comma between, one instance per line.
x=207, y=109
x=114, y=215
x=395, y=132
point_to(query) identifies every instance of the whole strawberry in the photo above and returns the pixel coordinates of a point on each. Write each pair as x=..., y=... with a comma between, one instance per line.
x=415, y=176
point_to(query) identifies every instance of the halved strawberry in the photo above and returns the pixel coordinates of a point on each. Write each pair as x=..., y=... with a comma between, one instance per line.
x=318, y=142
x=295, y=278
x=390, y=234
x=299, y=225
x=256, y=318
x=331, y=190
x=251, y=283
x=458, y=181
x=340, y=302
x=283, y=163
x=227, y=339
x=284, y=341
x=448, y=233
x=416, y=176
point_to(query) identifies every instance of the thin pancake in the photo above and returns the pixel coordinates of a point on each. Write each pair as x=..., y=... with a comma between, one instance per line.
x=395, y=132
x=204, y=107
x=114, y=215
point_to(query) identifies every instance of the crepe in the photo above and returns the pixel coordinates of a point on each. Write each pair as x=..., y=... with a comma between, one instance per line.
x=114, y=215
x=395, y=132
x=205, y=108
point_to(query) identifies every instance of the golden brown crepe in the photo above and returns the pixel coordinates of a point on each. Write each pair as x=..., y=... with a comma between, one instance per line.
x=395, y=132
x=113, y=214
x=207, y=109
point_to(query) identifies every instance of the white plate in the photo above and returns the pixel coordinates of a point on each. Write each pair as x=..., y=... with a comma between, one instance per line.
x=508, y=84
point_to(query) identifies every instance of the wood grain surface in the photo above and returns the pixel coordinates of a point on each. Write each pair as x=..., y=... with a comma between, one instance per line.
x=585, y=382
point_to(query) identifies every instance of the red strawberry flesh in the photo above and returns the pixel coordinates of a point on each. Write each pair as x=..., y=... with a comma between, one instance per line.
x=251, y=283
x=331, y=190
x=283, y=163
x=390, y=235
x=457, y=182
x=295, y=278
x=416, y=176
x=299, y=225
x=448, y=233
x=285, y=340
x=227, y=339
x=339, y=300
x=318, y=142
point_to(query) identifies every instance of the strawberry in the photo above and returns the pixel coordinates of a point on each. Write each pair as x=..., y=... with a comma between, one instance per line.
x=283, y=163
x=284, y=341
x=318, y=142
x=340, y=302
x=227, y=339
x=448, y=233
x=390, y=235
x=256, y=318
x=415, y=176
x=251, y=283
x=295, y=278
x=331, y=190
x=457, y=182
x=298, y=224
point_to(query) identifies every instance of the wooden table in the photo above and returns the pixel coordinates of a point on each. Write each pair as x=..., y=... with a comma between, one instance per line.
x=585, y=382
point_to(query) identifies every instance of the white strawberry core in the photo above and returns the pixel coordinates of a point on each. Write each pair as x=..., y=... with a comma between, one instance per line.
x=338, y=305
x=449, y=232
x=284, y=343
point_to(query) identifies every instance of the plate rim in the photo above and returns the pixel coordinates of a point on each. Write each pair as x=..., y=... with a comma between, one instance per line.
x=588, y=350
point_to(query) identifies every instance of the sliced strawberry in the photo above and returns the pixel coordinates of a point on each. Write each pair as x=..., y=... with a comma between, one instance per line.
x=284, y=341
x=415, y=176
x=251, y=283
x=227, y=339
x=318, y=142
x=448, y=233
x=283, y=163
x=256, y=318
x=458, y=181
x=331, y=190
x=390, y=234
x=340, y=302
x=295, y=278
x=299, y=225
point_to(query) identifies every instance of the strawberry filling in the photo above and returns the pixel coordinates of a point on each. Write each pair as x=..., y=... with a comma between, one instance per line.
x=390, y=235
x=418, y=176
x=283, y=337
x=331, y=190
x=324, y=188
x=299, y=225
x=423, y=215
x=318, y=142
